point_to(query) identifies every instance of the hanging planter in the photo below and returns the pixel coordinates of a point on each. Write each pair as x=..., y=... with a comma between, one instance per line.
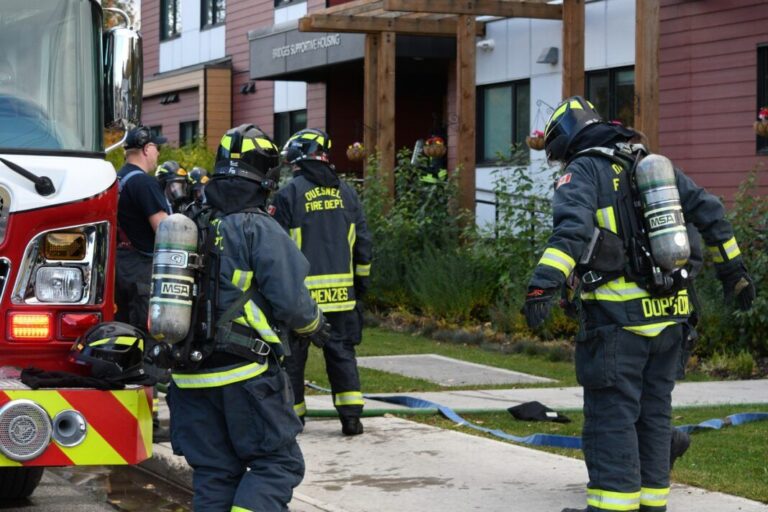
x=761, y=125
x=535, y=140
x=356, y=152
x=434, y=147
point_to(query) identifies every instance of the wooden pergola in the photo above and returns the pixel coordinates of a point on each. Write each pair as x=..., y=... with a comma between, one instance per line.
x=382, y=20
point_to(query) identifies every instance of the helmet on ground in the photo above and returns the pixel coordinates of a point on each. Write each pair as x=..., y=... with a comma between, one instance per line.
x=114, y=351
x=174, y=179
x=566, y=122
x=247, y=152
x=307, y=144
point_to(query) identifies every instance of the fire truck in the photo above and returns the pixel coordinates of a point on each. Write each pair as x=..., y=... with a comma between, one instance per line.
x=64, y=78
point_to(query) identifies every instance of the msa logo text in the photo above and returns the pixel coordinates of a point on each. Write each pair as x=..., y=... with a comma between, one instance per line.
x=661, y=220
x=174, y=289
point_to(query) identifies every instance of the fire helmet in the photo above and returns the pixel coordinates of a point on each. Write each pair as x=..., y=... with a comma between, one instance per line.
x=307, y=144
x=568, y=120
x=113, y=351
x=247, y=152
x=199, y=177
x=174, y=179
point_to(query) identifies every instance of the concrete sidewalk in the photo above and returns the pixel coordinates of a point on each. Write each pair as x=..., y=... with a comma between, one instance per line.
x=400, y=465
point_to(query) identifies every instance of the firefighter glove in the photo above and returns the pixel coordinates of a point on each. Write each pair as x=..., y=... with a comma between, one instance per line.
x=322, y=334
x=738, y=286
x=538, y=302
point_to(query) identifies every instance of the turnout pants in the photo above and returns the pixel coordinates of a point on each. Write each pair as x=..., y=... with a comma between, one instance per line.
x=133, y=279
x=240, y=440
x=340, y=363
x=628, y=381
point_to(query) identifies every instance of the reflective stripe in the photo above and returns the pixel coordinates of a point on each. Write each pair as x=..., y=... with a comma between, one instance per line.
x=329, y=280
x=310, y=326
x=120, y=340
x=258, y=320
x=296, y=236
x=226, y=142
x=730, y=248
x=558, y=259
x=649, y=330
x=247, y=145
x=349, y=398
x=240, y=509
x=606, y=218
x=300, y=409
x=654, y=497
x=242, y=279
x=363, y=270
x=216, y=379
x=618, y=290
x=611, y=500
x=335, y=307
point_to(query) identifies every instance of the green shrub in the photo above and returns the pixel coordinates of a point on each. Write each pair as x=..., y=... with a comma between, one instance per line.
x=721, y=364
x=189, y=156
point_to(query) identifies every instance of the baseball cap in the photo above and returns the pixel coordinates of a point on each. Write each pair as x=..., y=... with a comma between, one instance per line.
x=141, y=136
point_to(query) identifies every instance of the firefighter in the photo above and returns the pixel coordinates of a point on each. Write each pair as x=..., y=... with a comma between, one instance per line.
x=232, y=412
x=140, y=209
x=199, y=177
x=175, y=181
x=325, y=218
x=627, y=350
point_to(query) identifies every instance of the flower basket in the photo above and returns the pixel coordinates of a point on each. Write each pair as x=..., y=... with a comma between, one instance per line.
x=535, y=140
x=761, y=125
x=434, y=147
x=356, y=152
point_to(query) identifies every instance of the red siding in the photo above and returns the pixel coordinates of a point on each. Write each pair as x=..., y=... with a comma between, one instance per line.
x=169, y=116
x=708, y=88
x=150, y=35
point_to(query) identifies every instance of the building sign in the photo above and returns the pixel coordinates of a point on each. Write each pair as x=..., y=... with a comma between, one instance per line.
x=316, y=43
x=280, y=52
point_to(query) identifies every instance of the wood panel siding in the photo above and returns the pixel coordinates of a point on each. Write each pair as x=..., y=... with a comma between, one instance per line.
x=218, y=105
x=171, y=115
x=708, y=89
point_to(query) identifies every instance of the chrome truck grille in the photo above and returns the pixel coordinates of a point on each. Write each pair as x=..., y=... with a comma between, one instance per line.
x=25, y=430
x=5, y=208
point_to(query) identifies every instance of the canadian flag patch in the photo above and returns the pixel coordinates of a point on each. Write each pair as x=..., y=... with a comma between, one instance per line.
x=271, y=210
x=565, y=178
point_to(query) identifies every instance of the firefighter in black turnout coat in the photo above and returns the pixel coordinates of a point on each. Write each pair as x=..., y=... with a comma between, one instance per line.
x=324, y=217
x=628, y=346
x=231, y=404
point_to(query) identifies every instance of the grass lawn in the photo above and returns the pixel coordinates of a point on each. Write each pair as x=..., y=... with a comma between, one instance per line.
x=382, y=342
x=733, y=460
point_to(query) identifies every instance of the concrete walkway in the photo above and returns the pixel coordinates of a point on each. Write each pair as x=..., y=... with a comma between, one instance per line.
x=400, y=465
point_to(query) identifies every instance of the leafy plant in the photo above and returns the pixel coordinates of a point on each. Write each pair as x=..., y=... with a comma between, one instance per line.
x=194, y=154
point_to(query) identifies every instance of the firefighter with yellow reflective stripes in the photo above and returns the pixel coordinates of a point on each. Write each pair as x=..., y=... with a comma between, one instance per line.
x=628, y=346
x=231, y=404
x=325, y=218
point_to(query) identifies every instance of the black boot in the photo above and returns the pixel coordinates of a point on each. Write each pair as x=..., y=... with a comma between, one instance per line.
x=351, y=426
x=680, y=443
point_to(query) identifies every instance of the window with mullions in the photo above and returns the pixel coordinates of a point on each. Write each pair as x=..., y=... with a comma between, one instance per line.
x=612, y=92
x=283, y=3
x=212, y=12
x=189, y=132
x=288, y=123
x=762, y=92
x=503, y=118
x=170, y=19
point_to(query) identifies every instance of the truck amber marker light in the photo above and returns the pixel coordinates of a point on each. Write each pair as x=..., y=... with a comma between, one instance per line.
x=30, y=326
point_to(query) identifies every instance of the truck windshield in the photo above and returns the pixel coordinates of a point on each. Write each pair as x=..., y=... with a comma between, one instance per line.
x=50, y=76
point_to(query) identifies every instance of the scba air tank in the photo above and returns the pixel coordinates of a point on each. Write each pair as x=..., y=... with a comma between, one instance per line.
x=173, y=279
x=662, y=212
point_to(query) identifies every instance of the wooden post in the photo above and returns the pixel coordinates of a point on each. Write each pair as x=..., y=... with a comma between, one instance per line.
x=465, y=107
x=370, y=94
x=573, y=47
x=647, y=70
x=386, y=108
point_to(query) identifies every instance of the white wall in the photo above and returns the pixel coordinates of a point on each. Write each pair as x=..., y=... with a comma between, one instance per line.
x=290, y=95
x=609, y=42
x=195, y=45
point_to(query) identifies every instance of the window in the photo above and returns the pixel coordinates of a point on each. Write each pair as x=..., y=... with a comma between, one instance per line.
x=188, y=132
x=288, y=123
x=612, y=92
x=504, y=117
x=282, y=3
x=156, y=130
x=170, y=19
x=212, y=12
x=762, y=92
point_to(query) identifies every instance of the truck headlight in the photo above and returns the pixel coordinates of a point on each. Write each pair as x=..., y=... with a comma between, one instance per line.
x=59, y=284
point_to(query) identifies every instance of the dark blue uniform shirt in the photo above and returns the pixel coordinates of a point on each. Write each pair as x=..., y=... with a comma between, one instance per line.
x=140, y=198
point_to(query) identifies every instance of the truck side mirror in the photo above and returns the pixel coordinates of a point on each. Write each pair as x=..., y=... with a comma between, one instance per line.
x=123, y=78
